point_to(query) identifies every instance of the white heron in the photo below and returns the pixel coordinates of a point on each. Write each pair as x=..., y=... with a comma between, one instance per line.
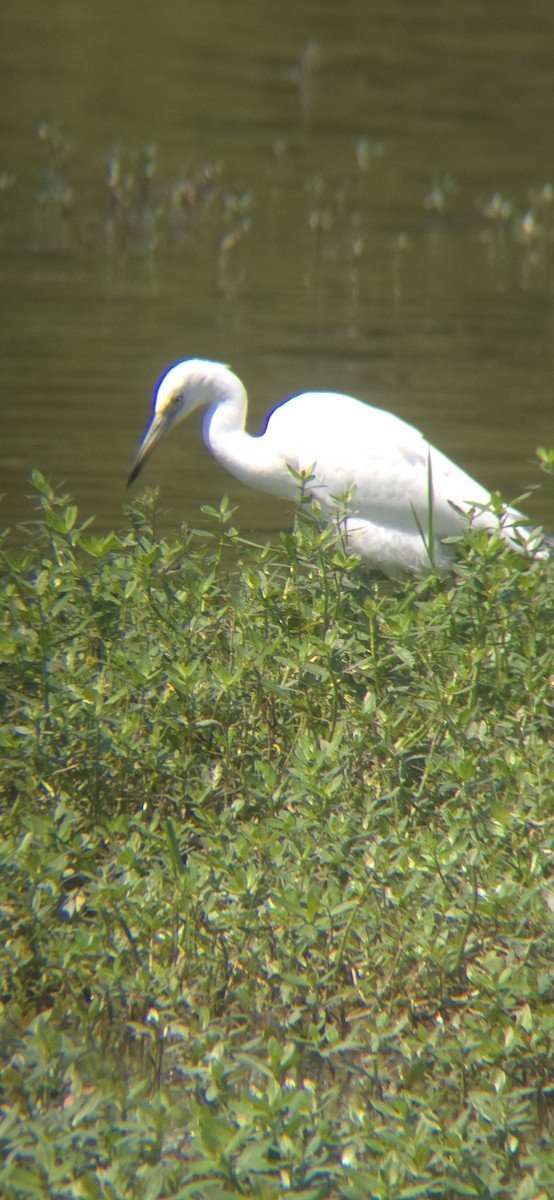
x=370, y=467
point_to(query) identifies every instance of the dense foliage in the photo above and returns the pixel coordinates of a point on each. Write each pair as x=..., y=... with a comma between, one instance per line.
x=276, y=869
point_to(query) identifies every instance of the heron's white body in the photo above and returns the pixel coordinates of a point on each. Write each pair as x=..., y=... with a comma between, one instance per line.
x=371, y=467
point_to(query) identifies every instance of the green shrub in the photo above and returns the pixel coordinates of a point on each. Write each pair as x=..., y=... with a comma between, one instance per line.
x=276, y=851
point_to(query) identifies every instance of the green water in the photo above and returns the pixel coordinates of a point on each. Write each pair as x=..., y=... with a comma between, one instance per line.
x=297, y=225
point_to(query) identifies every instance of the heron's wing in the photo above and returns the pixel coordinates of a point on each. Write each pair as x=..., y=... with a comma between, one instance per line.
x=382, y=463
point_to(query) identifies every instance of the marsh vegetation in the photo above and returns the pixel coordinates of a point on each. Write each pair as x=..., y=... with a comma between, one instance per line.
x=276, y=868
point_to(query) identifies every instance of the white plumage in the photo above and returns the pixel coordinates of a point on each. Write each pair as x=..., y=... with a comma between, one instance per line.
x=371, y=467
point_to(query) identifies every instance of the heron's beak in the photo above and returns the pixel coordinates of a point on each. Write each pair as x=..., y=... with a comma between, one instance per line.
x=153, y=434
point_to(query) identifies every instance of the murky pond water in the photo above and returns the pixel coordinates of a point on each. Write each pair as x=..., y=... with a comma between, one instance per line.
x=355, y=196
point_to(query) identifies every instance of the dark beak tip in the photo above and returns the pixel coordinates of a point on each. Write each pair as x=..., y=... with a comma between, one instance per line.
x=135, y=471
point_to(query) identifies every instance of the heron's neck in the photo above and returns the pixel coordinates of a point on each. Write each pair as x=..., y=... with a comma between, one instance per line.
x=227, y=405
x=225, y=435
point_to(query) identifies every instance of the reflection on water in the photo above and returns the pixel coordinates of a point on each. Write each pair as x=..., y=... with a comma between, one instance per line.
x=355, y=197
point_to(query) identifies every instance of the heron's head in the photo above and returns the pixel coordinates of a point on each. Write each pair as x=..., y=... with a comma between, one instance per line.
x=186, y=386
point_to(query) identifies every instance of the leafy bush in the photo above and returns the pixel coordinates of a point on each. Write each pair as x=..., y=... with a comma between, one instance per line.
x=276, y=863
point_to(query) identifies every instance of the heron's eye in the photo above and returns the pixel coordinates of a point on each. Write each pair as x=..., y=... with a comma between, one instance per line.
x=176, y=400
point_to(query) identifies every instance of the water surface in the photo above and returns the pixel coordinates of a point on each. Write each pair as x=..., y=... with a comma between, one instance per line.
x=352, y=196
